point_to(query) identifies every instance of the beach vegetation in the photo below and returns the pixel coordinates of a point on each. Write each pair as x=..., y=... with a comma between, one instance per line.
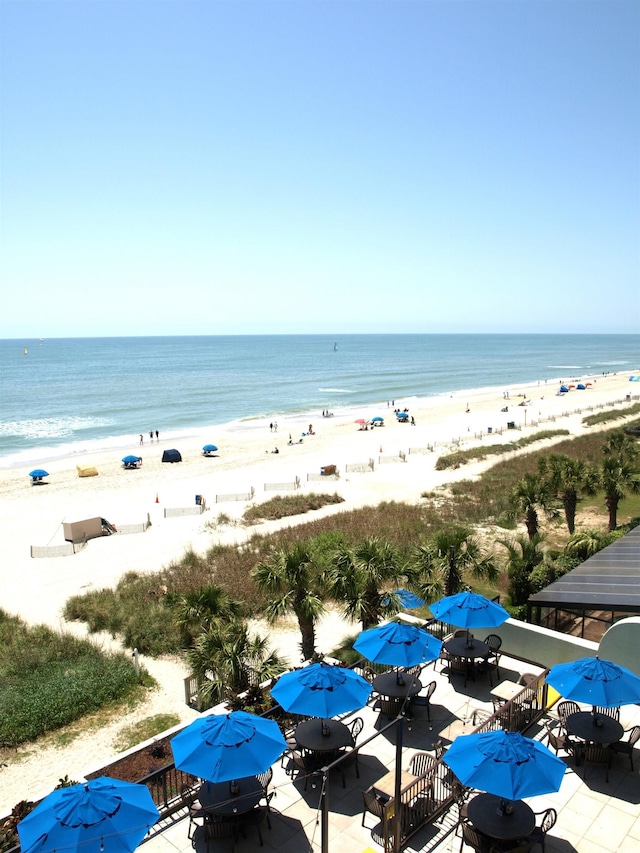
x=531, y=496
x=618, y=474
x=611, y=415
x=568, y=481
x=283, y=506
x=136, y=733
x=49, y=679
x=359, y=578
x=196, y=609
x=477, y=454
x=524, y=555
x=290, y=579
x=442, y=565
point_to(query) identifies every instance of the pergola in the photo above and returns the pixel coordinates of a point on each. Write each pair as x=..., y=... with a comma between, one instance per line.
x=605, y=588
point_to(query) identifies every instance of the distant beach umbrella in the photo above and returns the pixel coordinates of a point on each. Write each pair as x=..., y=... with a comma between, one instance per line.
x=402, y=416
x=209, y=448
x=38, y=473
x=408, y=599
x=131, y=460
x=377, y=419
x=360, y=421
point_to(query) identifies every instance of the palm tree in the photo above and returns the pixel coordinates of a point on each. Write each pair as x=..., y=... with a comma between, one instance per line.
x=524, y=555
x=197, y=609
x=290, y=578
x=586, y=543
x=530, y=496
x=227, y=660
x=568, y=480
x=439, y=566
x=358, y=577
x=621, y=446
x=618, y=478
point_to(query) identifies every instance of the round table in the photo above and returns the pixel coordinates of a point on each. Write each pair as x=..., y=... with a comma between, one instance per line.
x=458, y=648
x=387, y=684
x=216, y=797
x=581, y=725
x=483, y=810
x=308, y=735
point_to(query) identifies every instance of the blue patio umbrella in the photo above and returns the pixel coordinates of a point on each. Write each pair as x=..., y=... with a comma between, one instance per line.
x=209, y=448
x=38, y=472
x=469, y=610
x=101, y=815
x=131, y=460
x=408, y=599
x=597, y=682
x=402, y=415
x=377, y=419
x=505, y=764
x=397, y=644
x=321, y=690
x=220, y=747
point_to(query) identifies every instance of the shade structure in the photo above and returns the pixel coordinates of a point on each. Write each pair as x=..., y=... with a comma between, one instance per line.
x=408, y=599
x=321, y=690
x=469, y=610
x=360, y=421
x=210, y=448
x=38, y=472
x=398, y=645
x=402, y=415
x=131, y=460
x=595, y=681
x=505, y=764
x=220, y=747
x=101, y=815
x=377, y=419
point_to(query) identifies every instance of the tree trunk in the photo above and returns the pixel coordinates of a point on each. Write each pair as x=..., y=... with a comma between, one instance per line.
x=531, y=520
x=570, y=502
x=611, y=502
x=308, y=633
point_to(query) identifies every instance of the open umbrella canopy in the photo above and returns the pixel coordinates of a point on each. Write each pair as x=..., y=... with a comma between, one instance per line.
x=377, y=419
x=131, y=460
x=397, y=644
x=209, y=448
x=402, y=415
x=220, y=747
x=505, y=764
x=408, y=599
x=360, y=421
x=469, y=610
x=595, y=681
x=101, y=815
x=38, y=472
x=321, y=690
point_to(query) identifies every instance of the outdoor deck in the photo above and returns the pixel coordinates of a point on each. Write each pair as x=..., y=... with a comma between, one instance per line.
x=593, y=816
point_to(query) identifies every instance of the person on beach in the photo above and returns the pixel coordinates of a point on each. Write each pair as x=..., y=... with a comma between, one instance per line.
x=157, y=436
x=271, y=427
x=151, y=436
x=141, y=439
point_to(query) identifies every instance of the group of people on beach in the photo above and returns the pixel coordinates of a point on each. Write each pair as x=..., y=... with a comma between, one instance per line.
x=151, y=434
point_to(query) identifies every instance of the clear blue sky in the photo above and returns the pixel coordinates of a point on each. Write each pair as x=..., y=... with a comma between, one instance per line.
x=235, y=167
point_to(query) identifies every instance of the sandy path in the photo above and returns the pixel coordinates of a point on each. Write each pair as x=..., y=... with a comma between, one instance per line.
x=36, y=589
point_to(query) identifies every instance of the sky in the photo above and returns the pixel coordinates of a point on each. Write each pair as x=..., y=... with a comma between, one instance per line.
x=200, y=167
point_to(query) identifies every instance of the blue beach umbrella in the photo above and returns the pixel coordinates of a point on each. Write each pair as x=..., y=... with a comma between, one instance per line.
x=397, y=644
x=130, y=460
x=409, y=600
x=38, y=472
x=564, y=389
x=321, y=690
x=220, y=747
x=209, y=448
x=596, y=682
x=505, y=764
x=377, y=419
x=101, y=815
x=469, y=610
x=402, y=416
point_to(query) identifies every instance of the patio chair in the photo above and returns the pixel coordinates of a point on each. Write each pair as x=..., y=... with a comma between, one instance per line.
x=626, y=746
x=265, y=780
x=547, y=821
x=256, y=817
x=306, y=763
x=356, y=727
x=474, y=839
x=374, y=804
x=566, y=709
x=349, y=759
x=598, y=755
x=557, y=739
x=421, y=763
x=215, y=830
x=614, y=713
x=196, y=814
x=493, y=659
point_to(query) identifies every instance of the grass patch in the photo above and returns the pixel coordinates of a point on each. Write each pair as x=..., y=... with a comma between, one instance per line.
x=611, y=415
x=285, y=506
x=144, y=730
x=48, y=680
x=476, y=454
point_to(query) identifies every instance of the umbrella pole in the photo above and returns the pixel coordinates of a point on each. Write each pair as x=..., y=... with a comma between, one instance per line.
x=398, y=786
x=324, y=807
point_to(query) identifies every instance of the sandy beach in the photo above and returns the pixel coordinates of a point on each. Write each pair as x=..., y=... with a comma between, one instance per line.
x=36, y=589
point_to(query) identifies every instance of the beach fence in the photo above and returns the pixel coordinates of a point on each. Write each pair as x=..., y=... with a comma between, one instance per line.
x=135, y=528
x=430, y=448
x=282, y=487
x=360, y=467
x=399, y=457
x=198, y=509
x=236, y=496
x=57, y=550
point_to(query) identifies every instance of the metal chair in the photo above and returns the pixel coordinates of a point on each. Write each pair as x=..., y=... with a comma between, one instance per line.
x=431, y=689
x=493, y=659
x=421, y=763
x=356, y=727
x=558, y=741
x=614, y=713
x=566, y=709
x=374, y=804
x=265, y=780
x=256, y=817
x=598, y=755
x=474, y=839
x=547, y=821
x=215, y=830
x=196, y=813
x=626, y=746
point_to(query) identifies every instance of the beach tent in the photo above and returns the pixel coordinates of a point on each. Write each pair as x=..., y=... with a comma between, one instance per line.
x=634, y=379
x=564, y=389
x=171, y=456
x=580, y=386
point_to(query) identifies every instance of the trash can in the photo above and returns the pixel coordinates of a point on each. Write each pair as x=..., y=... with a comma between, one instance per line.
x=198, y=499
x=628, y=398
x=489, y=430
x=511, y=424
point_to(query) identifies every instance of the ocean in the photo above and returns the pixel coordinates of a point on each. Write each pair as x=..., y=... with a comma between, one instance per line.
x=66, y=395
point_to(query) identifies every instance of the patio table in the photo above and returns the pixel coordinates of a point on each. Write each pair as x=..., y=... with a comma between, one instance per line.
x=216, y=797
x=387, y=684
x=486, y=814
x=309, y=735
x=457, y=648
x=582, y=725
x=506, y=690
x=387, y=785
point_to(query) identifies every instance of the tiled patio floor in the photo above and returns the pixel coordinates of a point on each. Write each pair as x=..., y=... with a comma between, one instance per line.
x=593, y=816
